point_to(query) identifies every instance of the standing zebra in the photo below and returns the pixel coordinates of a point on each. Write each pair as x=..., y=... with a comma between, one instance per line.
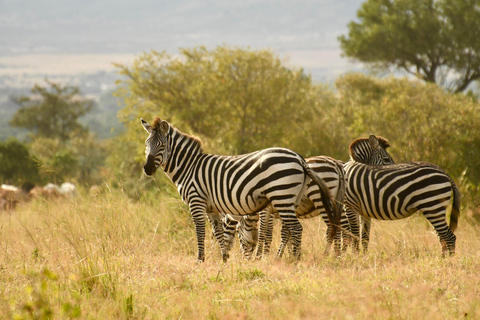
x=397, y=191
x=238, y=185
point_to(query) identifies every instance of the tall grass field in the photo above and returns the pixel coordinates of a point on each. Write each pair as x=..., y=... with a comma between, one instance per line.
x=108, y=257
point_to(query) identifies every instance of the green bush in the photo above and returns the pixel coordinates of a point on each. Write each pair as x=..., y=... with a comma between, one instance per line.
x=17, y=165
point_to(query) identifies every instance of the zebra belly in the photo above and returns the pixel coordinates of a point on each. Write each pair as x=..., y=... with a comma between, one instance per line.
x=387, y=215
x=249, y=205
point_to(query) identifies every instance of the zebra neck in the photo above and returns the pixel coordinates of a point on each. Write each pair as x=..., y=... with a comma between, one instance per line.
x=185, y=151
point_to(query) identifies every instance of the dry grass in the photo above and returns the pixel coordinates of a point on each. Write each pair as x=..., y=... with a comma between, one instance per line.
x=111, y=258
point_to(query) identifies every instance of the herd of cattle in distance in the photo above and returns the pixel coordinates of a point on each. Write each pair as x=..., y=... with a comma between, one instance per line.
x=10, y=195
x=232, y=191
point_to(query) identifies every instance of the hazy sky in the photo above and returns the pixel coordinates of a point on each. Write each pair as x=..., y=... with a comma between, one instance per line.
x=62, y=36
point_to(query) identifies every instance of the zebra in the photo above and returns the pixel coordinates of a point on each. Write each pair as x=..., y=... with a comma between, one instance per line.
x=239, y=185
x=372, y=150
x=331, y=171
x=397, y=191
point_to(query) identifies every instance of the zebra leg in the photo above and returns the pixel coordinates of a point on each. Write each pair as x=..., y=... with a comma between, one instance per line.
x=217, y=226
x=353, y=221
x=445, y=234
x=262, y=232
x=198, y=215
x=268, y=235
x=367, y=222
x=329, y=239
x=337, y=241
x=229, y=227
x=284, y=239
x=328, y=234
x=346, y=236
x=294, y=227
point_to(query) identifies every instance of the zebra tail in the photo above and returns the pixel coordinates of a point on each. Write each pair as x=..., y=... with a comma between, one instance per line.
x=455, y=214
x=330, y=206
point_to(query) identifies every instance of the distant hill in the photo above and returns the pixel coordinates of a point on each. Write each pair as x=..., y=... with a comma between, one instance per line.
x=126, y=26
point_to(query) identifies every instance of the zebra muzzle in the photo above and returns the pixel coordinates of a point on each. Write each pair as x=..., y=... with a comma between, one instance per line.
x=149, y=166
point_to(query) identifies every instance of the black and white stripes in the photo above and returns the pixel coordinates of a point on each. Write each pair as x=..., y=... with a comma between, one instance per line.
x=331, y=171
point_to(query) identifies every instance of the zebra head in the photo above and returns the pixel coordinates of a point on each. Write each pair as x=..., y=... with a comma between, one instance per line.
x=157, y=149
x=371, y=151
x=247, y=229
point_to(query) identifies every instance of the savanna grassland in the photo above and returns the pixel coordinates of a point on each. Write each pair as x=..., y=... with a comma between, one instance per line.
x=108, y=257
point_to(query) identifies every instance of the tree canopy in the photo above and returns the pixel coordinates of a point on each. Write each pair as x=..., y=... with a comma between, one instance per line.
x=51, y=112
x=435, y=40
x=240, y=100
x=64, y=149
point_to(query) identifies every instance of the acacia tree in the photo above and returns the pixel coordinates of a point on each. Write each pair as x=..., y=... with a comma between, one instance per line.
x=239, y=100
x=65, y=150
x=435, y=40
x=51, y=112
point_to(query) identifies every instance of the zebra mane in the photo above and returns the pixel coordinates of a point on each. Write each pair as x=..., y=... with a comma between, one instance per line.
x=156, y=126
x=360, y=141
x=156, y=123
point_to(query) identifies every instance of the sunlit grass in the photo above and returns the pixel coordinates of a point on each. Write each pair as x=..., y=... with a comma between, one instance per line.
x=112, y=258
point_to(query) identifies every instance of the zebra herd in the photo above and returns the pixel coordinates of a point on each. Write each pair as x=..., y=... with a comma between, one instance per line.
x=237, y=192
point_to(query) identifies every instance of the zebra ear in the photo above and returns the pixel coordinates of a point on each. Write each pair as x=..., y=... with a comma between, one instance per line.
x=373, y=141
x=164, y=126
x=146, y=126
